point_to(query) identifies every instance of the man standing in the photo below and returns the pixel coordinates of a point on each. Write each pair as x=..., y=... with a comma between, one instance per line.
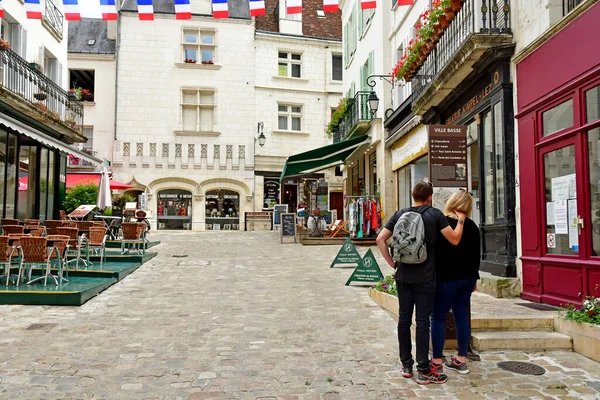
x=416, y=283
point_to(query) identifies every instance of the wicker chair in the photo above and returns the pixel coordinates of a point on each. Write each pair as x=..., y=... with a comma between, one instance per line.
x=76, y=242
x=10, y=221
x=69, y=224
x=132, y=234
x=13, y=229
x=62, y=214
x=35, y=252
x=31, y=222
x=37, y=230
x=6, y=253
x=51, y=225
x=84, y=227
x=61, y=243
x=97, y=241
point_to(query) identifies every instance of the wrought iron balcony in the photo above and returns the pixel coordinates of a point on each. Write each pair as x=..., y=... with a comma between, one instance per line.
x=357, y=119
x=26, y=88
x=570, y=5
x=477, y=27
x=54, y=18
x=76, y=162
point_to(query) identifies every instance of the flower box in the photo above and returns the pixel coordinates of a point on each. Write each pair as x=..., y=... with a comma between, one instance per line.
x=586, y=337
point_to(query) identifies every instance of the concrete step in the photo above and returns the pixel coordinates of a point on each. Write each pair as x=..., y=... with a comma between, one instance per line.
x=517, y=323
x=520, y=340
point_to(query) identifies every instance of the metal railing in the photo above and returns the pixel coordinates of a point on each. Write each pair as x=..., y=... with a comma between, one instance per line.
x=490, y=17
x=570, y=5
x=358, y=111
x=74, y=161
x=54, y=17
x=26, y=81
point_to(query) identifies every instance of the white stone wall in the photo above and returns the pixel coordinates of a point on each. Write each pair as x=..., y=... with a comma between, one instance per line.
x=99, y=114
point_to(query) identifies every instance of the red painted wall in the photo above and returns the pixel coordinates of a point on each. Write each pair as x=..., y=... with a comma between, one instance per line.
x=568, y=54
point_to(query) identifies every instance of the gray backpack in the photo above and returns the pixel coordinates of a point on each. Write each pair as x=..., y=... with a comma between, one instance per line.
x=408, y=240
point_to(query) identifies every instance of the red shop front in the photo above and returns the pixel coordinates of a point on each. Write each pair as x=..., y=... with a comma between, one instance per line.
x=559, y=156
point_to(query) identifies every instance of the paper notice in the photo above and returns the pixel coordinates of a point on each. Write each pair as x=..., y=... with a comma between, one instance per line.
x=550, y=213
x=560, y=217
x=564, y=187
x=573, y=228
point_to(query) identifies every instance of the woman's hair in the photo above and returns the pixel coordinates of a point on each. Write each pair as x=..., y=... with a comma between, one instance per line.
x=459, y=201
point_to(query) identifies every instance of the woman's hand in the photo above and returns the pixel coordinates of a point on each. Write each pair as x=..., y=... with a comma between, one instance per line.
x=461, y=215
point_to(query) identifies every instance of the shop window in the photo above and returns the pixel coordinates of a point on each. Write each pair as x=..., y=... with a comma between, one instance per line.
x=28, y=170
x=558, y=118
x=594, y=160
x=374, y=185
x=3, y=138
x=174, y=209
x=11, y=176
x=592, y=102
x=81, y=81
x=222, y=210
x=493, y=165
x=499, y=157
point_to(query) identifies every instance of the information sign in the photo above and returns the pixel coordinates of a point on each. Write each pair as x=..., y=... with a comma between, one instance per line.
x=367, y=271
x=288, y=226
x=347, y=254
x=448, y=155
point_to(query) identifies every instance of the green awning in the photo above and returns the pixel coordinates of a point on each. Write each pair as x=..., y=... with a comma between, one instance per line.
x=321, y=158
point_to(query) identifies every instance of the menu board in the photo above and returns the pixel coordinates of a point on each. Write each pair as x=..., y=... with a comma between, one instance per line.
x=277, y=210
x=448, y=155
x=82, y=211
x=288, y=225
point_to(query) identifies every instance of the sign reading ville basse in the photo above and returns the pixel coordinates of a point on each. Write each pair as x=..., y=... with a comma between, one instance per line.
x=448, y=156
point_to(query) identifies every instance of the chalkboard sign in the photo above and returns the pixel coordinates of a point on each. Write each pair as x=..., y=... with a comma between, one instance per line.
x=288, y=226
x=278, y=209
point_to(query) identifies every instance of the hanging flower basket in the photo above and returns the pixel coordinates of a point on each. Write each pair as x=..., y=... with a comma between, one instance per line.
x=444, y=21
x=449, y=12
x=40, y=96
x=456, y=5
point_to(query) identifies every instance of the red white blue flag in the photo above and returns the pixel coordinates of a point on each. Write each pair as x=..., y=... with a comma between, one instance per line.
x=367, y=4
x=71, y=9
x=1, y=10
x=109, y=10
x=33, y=9
x=257, y=8
x=220, y=9
x=330, y=6
x=294, y=7
x=183, y=9
x=145, y=10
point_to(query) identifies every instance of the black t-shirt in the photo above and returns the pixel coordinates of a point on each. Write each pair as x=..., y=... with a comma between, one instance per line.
x=434, y=221
x=458, y=262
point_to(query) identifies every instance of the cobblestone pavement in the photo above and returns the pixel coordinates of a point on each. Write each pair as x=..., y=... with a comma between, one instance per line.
x=242, y=317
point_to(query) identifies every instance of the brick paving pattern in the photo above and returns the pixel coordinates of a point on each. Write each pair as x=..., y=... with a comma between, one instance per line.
x=243, y=317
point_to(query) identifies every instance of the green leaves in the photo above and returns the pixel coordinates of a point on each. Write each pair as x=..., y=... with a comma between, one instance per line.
x=80, y=194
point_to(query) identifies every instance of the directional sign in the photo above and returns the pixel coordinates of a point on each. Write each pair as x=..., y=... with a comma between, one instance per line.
x=347, y=254
x=367, y=271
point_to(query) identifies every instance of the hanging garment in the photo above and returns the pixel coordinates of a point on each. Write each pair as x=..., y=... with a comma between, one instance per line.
x=360, y=220
x=374, y=215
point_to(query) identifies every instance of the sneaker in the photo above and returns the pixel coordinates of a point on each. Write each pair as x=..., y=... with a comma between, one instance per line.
x=433, y=376
x=436, y=367
x=456, y=365
x=407, y=372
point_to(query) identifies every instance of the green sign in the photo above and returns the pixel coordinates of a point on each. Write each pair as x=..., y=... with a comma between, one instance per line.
x=367, y=270
x=347, y=254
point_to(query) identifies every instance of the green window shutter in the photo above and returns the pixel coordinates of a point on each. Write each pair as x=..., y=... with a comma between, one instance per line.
x=345, y=38
x=371, y=62
x=363, y=77
x=360, y=16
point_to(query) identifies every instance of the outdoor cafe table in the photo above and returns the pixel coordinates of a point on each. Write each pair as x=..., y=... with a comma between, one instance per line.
x=112, y=223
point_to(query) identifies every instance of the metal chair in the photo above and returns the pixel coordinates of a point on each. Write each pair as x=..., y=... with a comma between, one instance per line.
x=75, y=244
x=13, y=229
x=35, y=252
x=61, y=243
x=97, y=241
x=6, y=252
x=51, y=225
x=132, y=234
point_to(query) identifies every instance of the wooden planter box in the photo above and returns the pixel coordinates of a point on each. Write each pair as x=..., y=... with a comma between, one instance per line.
x=586, y=337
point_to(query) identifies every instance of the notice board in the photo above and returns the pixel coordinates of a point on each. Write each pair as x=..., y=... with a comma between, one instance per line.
x=448, y=156
x=288, y=226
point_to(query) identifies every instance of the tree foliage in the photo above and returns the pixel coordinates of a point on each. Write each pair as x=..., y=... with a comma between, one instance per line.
x=80, y=194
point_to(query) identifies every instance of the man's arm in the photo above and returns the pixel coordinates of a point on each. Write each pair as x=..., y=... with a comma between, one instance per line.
x=454, y=235
x=384, y=235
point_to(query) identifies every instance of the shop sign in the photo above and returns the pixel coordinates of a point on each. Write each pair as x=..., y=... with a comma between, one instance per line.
x=174, y=196
x=448, y=155
x=347, y=254
x=478, y=97
x=367, y=271
x=409, y=148
x=258, y=216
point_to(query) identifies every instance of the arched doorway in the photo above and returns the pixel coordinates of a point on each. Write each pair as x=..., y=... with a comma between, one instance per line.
x=174, y=209
x=222, y=210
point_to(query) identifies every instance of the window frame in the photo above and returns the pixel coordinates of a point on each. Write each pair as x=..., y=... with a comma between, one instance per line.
x=290, y=115
x=198, y=106
x=341, y=61
x=289, y=62
x=199, y=47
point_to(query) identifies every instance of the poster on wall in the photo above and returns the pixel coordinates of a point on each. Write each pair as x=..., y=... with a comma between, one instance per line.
x=448, y=155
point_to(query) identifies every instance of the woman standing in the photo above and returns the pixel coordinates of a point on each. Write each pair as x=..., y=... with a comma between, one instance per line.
x=457, y=271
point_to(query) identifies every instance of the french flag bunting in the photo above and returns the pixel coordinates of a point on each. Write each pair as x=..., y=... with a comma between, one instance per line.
x=109, y=10
x=145, y=10
x=71, y=9
x=183, y=9
x=294, y=7
x=330, y=6
x=1, y=10
x=406, y=2
x=220, y=9
x=257, y=8
x=367, y=4
x=33, y=9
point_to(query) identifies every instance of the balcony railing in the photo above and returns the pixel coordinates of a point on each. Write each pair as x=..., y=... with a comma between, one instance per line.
x=482, y=17
x=570, y=5
x=54, y=17
x=357, y=118
x=28, y=83
x=77, y=162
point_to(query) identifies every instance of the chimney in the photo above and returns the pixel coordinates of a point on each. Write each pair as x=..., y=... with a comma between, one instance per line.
x=111, y=30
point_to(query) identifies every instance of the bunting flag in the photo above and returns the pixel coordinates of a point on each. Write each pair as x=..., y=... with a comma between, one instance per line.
x=33, y=9
x=406, y=2
x=183, y=10
x=1, y=10
x=294, y=7
x=330, y=6
x=220, y=9
x=145, y=10
x=257, y=8
x=71, y=9
x=109, y=10
x=367, y=4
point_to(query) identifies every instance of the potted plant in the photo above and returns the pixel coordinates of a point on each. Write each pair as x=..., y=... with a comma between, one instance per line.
x=75, y=92
x=190, y=61
x=86, y=95
x=35, y=66
x=70, y=122
x=337, y=116
x=583, y=325
x=40, y=96
x=448, y=11
x=209, y=62
x=4, y=44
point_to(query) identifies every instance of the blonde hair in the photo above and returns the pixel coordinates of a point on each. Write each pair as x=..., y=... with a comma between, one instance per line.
x=462, y=201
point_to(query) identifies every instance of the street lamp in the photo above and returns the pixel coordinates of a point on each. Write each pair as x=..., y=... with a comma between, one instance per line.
x=373, y=100
x=261, y=139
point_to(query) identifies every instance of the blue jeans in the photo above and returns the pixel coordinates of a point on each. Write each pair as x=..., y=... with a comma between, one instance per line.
x=455, y=295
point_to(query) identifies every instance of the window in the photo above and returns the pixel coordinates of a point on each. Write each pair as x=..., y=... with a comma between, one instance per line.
x=82, y=82
x=493, y=165
x=558, y=118
x=290, y=65
x=16, y=35
x=366, y=17
x=199, y=46
x=499, y=154
x=592, y=101
x=337, y=69
x=88, y=132
x=197, y=109
x=290, y=118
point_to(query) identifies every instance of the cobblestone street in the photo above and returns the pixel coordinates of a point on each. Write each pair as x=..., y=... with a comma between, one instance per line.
x=243, y=317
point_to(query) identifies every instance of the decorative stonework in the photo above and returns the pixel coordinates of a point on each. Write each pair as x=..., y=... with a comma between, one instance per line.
x=139, y=149
x=165, y=150
x=191, y=150
x=178, y=150
x=126, y=148
x=229, y=151
x=152, y=149
x=204, y=151
x=242, y=151
x=217, y=151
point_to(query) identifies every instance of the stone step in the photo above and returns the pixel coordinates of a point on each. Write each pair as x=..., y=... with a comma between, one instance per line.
x=518, y=323
x=520, y=340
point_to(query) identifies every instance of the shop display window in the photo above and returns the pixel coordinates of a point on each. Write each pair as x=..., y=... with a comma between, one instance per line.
x=222, y=210
x=174, y=210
